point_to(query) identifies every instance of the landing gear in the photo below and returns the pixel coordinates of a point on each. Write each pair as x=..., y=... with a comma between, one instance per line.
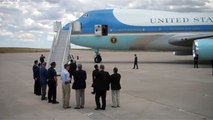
x=98, y=58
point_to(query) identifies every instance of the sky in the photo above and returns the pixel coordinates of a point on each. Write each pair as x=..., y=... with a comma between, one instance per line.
x=29, y=23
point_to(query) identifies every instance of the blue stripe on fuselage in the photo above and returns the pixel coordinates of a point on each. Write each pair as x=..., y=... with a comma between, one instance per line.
x=124, y=42
x=106, y=17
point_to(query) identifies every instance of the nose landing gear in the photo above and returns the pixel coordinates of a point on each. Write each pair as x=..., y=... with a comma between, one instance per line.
x=98, y=58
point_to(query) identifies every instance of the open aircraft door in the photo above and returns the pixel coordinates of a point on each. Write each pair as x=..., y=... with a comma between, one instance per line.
x=77, y=27
x=101, y=30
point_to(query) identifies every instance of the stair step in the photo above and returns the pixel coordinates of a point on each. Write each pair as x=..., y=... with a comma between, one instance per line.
x=59, y=49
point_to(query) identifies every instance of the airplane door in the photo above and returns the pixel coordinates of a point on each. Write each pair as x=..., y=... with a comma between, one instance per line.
x=104, y=30
x=98, y=30
x=77, y=27
x=101, y=30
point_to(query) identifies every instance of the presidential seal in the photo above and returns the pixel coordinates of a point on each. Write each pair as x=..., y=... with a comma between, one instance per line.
x=113, y=40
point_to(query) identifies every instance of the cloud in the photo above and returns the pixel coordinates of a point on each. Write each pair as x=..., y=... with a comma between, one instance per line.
x=5, y=33
x=53, y=1
x=10, y=16
x=20, y=36
x=172, y=5
x=50, y=37
x=25, y=37
x=29, y=21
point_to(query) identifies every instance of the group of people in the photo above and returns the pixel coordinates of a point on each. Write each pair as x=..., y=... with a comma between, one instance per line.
x=75, y=75
x=36, y=74
x=44, y=77
x=101, y=84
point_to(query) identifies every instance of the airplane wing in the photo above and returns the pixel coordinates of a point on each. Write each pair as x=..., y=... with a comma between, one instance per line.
x=186, y=40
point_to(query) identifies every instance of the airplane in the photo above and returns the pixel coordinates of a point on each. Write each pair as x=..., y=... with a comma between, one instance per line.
x=135, y=29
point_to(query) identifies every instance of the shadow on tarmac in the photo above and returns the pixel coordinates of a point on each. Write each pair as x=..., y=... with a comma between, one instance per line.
x=174, y=62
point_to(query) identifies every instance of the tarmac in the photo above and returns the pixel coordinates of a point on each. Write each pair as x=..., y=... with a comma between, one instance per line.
x=165, y=87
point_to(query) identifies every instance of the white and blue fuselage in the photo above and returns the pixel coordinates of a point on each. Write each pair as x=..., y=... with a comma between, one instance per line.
x=130, y=29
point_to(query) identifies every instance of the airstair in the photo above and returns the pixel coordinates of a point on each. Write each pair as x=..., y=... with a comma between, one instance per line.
x=60, y=47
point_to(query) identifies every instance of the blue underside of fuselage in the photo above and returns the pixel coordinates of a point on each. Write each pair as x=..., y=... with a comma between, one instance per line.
x=104, y=42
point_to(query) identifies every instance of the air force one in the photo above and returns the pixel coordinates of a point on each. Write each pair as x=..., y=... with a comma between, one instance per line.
x=132, y=29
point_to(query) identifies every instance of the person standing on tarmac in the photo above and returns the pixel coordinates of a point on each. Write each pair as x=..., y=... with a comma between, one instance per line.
x=35, y=68
x=94, y=77
x=196, y=58
x=115, y=87
x=212, y=65
x=52, y=83
x=66, y=80
x=101, y=86
x=72, y=69
x=43, y=80
x=79, y=85
x=42, y=58
x=135, y=62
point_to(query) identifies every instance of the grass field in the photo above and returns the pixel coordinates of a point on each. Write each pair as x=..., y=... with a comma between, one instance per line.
x=22, y=50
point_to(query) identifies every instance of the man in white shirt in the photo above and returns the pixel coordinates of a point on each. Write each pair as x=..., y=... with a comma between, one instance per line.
x=66, y=80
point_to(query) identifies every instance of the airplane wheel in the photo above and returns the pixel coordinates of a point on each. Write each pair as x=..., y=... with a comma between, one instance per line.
x=98, y=59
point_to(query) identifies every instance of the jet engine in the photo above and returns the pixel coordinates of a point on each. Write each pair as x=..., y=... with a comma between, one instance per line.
x=203, y=48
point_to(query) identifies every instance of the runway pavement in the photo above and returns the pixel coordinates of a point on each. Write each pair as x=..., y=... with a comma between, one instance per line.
x=165, y=87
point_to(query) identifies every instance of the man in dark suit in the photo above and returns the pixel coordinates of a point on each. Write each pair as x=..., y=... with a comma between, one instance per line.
x=52, y=83
x=196, y=58
x=79, y=85
x=115, y=87
x=101, y=86
x=94, y=77
x=212, y=65
x=135, y=62
x=42, y=58
x=37, y=88
x=73, y=68
x=43, y=80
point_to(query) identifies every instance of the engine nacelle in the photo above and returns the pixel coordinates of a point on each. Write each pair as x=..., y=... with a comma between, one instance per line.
x=203, y=48
x=182, y=53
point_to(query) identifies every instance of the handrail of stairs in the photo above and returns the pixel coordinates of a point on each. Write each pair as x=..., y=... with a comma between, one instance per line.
x=67, y=46
x=54, y=43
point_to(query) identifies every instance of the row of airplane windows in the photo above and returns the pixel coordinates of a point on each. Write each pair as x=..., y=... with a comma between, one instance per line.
x=163, y=29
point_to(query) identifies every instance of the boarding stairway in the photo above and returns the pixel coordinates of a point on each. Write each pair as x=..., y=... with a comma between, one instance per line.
x=60, y=48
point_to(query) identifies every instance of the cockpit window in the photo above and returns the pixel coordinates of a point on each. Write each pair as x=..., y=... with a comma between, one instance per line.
x=85, y=15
